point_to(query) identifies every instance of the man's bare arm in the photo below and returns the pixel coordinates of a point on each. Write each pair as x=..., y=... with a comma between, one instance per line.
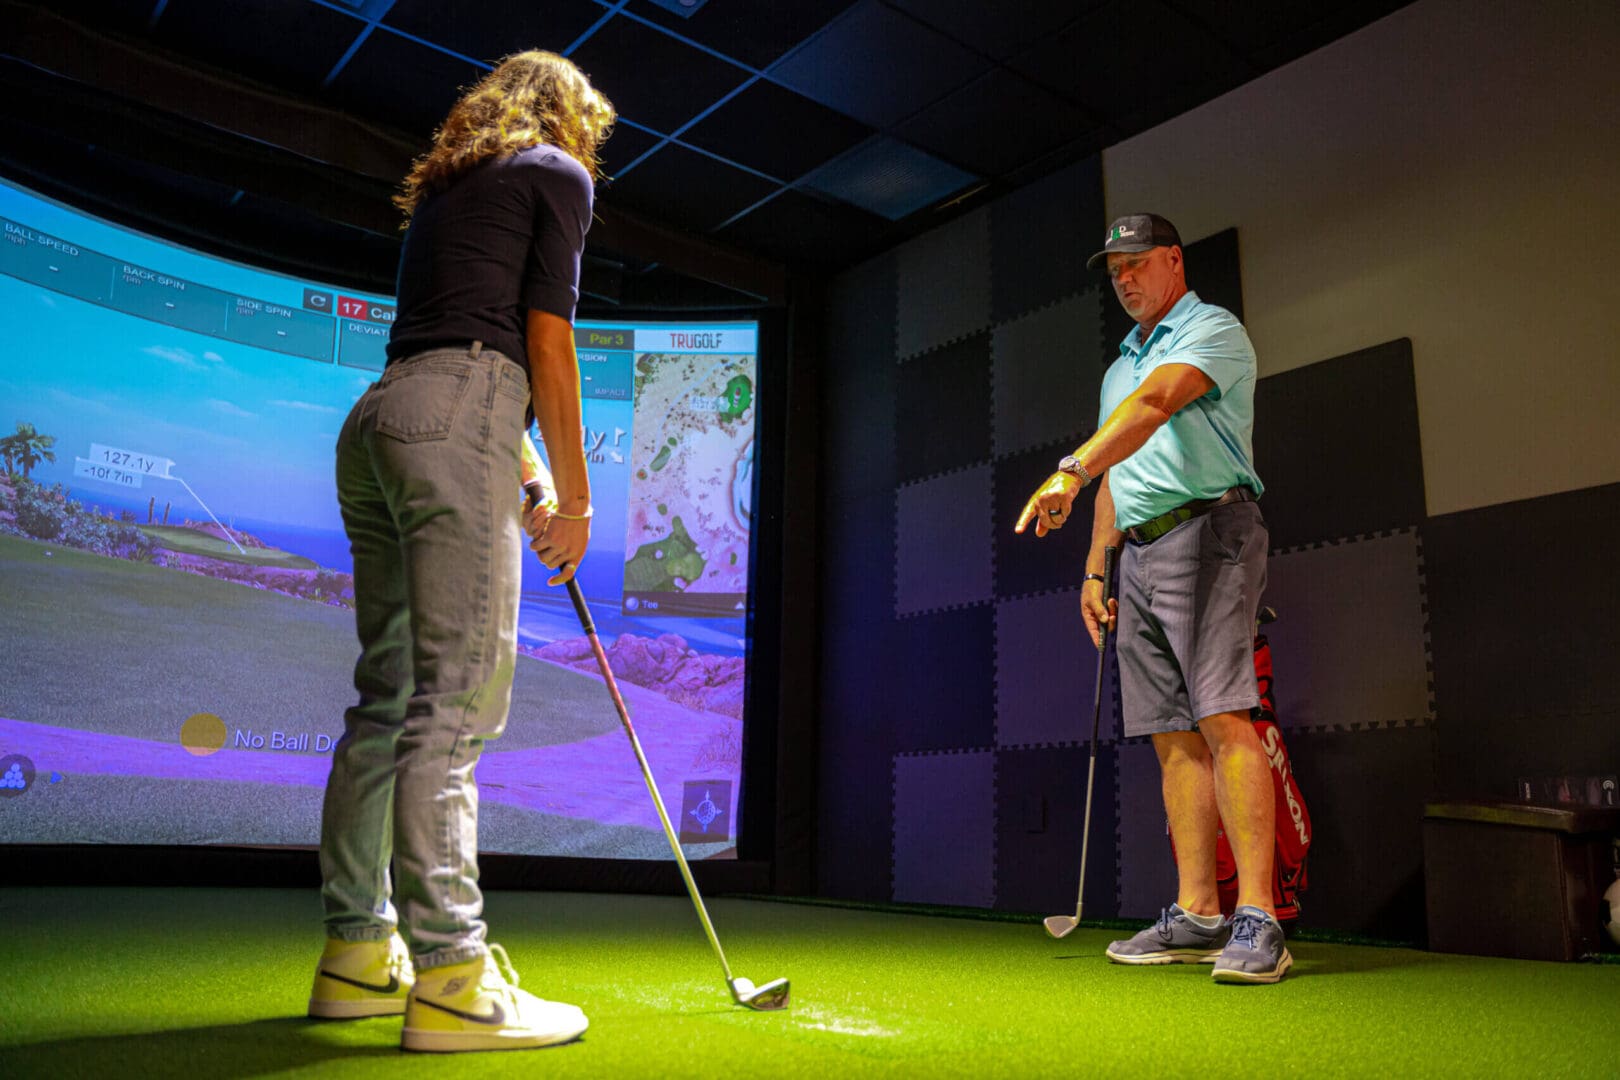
x=1165, y=392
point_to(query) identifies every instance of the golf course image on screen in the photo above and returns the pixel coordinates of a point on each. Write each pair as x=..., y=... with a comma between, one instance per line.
x=175, y=584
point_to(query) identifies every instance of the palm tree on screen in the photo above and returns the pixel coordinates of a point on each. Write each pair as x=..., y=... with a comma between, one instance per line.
x=27, y=448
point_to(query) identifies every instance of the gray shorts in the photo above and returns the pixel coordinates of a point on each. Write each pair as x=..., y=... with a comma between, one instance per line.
x=1187, y=603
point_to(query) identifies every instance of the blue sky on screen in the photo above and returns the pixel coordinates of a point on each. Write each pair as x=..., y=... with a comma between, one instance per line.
x=251, y=431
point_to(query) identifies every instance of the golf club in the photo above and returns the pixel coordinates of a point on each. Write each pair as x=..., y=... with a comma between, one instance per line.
x=768, y=997
x=1062, y=925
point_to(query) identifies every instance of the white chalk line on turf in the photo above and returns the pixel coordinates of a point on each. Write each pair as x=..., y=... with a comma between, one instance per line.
x=815, y=1018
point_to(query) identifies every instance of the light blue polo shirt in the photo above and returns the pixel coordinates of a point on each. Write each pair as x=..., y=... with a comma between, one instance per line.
x=1206, y=447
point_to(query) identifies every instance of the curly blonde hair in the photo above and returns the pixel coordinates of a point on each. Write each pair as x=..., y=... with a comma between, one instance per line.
x=532, y=98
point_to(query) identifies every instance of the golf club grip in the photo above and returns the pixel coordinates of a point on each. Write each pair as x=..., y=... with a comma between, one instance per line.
x=580, y=608
x=1110, y=564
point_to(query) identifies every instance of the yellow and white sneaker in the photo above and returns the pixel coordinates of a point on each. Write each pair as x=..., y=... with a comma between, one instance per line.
x=478, y=1006
x=362, y=978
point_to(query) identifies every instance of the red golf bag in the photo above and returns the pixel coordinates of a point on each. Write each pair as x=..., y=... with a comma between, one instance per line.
x=1288, y=878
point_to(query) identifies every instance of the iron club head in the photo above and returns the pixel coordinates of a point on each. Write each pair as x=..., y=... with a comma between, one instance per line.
x=1060, y=925
x=767, y=998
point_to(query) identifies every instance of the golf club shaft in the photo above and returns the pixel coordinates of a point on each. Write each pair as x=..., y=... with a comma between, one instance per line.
x=1109, y=554
x=1085, y=836
x=589, y=626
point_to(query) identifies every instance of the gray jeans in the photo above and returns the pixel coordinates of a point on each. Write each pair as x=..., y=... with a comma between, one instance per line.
x=428, y=481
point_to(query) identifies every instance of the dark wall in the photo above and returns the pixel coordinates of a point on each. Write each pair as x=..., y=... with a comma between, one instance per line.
x=960, y=367
x=1414, y=655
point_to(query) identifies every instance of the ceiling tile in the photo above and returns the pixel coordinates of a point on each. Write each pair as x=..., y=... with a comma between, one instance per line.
x=624, y=146
x=1328, y=27
x=888, y=177
x=652, y=78
x=1257, y=27
x=997, y=124
x=1098, y=63
x=686, y=189
x=249, y=37
x=774, y=130
x=747, y=30
x=878, y=65
x=401, y=83
x=955, y=90
x=998, y=29
x=485, y=31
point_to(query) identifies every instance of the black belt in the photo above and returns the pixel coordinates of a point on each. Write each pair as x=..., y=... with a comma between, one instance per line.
x=1151, y=530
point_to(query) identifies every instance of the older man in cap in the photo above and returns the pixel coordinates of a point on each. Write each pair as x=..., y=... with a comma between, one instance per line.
x=1176, y=486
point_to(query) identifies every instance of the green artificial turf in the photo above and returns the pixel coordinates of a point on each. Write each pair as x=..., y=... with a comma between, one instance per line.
x=204, y=983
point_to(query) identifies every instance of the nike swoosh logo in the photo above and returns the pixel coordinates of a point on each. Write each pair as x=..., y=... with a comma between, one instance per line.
x=496, y=1017
x=389, y=987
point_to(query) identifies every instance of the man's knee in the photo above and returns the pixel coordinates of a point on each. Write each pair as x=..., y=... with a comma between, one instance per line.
x=1229, y=730
x=1180, y=748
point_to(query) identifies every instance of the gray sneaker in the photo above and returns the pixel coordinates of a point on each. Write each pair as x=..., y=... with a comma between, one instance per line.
x=1256, y=953
x=1174, y=939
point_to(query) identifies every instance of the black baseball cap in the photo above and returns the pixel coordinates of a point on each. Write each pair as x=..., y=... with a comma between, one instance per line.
x=1136, y=232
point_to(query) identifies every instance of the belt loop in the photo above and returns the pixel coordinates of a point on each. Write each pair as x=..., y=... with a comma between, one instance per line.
x=477, y=347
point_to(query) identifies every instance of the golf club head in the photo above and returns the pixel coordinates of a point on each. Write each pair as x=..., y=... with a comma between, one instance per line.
x=1060, y=925
x=768, y=998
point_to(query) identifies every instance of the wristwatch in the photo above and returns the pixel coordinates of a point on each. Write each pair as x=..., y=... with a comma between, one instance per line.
x=1072, y=466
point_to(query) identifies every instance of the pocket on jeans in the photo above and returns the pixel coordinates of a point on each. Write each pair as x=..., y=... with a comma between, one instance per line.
x=422, y=406
x=1229, y=529
x=512, y=382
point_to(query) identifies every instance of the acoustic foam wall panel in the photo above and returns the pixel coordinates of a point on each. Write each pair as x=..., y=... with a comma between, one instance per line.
x=944, y=288
x=940, y=419
x=1147, y=871
x=1046, y=375
x=945, y=828
x=1336, y=444
x=1522, y=603
x=910, y=651
x=1029, y=563
x=861, y=385
x=1046, y=673
x=1041, y=796
x=860, y=702
x=1350, y=648
x=942, y=542
x=858, y=588
x=1040, y=238
x=1365, y=791
x=946, y=680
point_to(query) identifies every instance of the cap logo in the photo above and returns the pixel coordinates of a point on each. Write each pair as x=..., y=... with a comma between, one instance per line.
x=1119, y=233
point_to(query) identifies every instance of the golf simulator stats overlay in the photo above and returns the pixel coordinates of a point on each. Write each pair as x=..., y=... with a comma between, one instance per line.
x=320, y=324
x=690, y=457
x=177, y=592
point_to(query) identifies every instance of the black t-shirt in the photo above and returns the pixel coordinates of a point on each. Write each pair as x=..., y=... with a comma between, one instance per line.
x=502, y=239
